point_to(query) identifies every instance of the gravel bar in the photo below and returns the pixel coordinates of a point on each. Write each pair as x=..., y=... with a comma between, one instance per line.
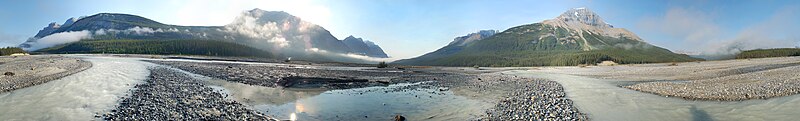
x=171, y=95
x=533, y=99
x=25, y=71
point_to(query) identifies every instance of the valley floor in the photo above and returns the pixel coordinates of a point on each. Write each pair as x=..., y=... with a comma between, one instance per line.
x=150, y=87
x=212, y=89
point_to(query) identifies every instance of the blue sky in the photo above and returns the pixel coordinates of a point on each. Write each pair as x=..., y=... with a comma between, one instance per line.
x=409, y=28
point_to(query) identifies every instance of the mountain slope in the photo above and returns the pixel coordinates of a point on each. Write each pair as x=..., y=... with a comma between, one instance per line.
x=454, y=47
x=278, y=33
x=576, y=37
x=766, y=53
x=174, y=47
x=362, y=47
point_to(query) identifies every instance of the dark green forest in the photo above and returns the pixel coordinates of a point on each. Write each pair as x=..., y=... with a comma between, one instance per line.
x=11, y=50
x=765, y=53
x=161, y=47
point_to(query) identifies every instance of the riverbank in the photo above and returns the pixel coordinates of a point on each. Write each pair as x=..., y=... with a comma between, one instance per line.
x=728, y=80
x=25, y=71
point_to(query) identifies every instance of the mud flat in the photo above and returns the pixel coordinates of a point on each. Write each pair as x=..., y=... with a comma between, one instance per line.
x=729, y=80
x=25, y=71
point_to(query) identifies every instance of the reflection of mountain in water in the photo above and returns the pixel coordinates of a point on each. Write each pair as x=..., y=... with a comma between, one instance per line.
x=259, y=95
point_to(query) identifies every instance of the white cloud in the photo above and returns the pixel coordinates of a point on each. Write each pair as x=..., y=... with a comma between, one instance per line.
x=74, y=36
x=349, y=57
x=248, y=26
x=59, y=38
x=691, y=26
x=700, y=34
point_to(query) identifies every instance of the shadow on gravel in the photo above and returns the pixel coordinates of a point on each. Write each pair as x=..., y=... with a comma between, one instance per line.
x=318, y=82
x=699, y=115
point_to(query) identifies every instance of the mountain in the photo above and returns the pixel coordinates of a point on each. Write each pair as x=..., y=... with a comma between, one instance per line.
x=578, y=36
x=53, y=27
x=363, y=47
x=454, y=47
x=277, y=32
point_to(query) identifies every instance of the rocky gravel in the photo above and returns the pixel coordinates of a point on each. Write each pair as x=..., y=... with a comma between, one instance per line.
x=25, y=71
x=725, y=80
x=533, y=99
x=171, y=95
x=761, y=84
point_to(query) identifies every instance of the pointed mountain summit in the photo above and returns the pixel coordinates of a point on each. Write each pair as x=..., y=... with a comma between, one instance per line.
x=578, y=36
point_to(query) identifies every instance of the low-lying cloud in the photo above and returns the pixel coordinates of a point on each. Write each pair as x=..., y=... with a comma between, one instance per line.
x=248, y=25
x=698, y=32
x=348, y=57
x=59, y=38
x=74, y=36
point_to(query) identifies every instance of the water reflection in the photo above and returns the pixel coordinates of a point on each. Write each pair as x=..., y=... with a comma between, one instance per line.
x=699, y=115
x=258, y=95
x=371, y=103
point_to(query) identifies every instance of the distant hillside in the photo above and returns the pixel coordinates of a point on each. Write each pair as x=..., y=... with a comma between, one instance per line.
x=765, y=53
x=578, y=36
x=165, y=47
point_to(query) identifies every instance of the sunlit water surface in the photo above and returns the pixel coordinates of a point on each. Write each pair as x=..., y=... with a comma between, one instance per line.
x=371, y=103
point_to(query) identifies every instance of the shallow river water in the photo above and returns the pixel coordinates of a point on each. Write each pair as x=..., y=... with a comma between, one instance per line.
x=78, y=96
x=604, y=100
x=371, y=103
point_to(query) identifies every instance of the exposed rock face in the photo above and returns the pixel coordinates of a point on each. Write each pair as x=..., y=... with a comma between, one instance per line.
x=582, y=20
x=48, y=30
x=583, y=16
x=376, y=50
x=364, y=47
x=464, y=40
x=455, y=46
x=70, y=21
x=283, y=31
